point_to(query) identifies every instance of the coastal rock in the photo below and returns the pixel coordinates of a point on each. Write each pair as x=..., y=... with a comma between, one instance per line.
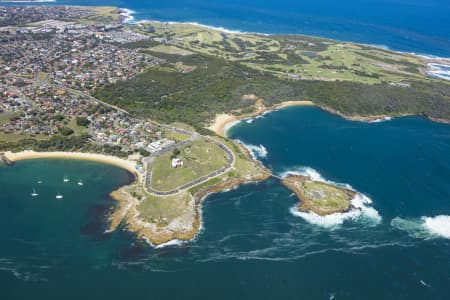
x=182, y=228
x=319, y=197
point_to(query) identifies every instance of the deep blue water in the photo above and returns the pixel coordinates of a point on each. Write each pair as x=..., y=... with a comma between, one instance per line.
x=406, y=25
x=251, y=245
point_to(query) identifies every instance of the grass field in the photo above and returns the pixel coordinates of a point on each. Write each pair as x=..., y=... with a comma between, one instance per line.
x=176, y=136
x=5, y=117
x=162, y=210
x=103, y=14
x=77, y=130
x=200, y=158
x=356, y=80
x=325, y=196
x=308, y=57
x=171, y=50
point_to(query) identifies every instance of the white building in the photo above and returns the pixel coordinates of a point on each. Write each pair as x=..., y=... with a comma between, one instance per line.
x=177, y=162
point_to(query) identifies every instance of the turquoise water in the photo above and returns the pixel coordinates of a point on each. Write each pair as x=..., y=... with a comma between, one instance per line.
x=406, y=25
x=251, y=245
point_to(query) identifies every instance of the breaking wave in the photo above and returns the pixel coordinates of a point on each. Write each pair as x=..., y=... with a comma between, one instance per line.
x=313, y=174
x=425, y=227
x=127, y=15
x=381, y=120
x=441, y=71
x=362, y=212
x=257, y=151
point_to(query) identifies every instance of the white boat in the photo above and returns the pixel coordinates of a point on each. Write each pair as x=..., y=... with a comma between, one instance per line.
x=66, y=179
x=39, y=181
x=80, y=183
x=34, y=194
x=59, y=196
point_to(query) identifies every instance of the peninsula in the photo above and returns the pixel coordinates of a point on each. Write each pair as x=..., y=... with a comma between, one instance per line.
x=155, y=98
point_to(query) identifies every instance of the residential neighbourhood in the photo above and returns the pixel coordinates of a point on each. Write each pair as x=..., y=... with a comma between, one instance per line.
x=48, y=68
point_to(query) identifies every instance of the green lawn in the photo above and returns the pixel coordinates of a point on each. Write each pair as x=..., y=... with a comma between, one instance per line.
x=171, y=50
x=77, y=130
x=325, y=196
x=5, y=117
x=161, y=210
x=176, y=136
x=15, y=137
x=200, y=158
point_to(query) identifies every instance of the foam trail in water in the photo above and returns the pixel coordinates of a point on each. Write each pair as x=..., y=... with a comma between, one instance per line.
x=425, y=227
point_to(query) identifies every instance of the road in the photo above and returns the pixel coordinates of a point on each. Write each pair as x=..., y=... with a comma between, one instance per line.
x=230, y=162
x=148, y=160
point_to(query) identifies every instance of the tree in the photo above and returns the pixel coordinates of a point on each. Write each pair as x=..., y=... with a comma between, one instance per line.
x=58, y=118
x=175, y=153
x=66, y=131
x=144, y=152
x=82, y=121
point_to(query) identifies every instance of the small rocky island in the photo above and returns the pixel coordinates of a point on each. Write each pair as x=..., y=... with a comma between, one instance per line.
x=319, y=197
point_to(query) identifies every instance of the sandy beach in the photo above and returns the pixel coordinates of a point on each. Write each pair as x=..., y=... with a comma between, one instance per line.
x=223, y=121
x=126, y=164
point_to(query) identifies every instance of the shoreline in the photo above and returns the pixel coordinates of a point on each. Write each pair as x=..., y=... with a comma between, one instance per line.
x=191, y=221
x=126, y=164
x=224, y=121
x=426, y=56
x=306, y=204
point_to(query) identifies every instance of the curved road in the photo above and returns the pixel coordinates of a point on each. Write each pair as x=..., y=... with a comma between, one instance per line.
x=148, y=175
x=148, y=160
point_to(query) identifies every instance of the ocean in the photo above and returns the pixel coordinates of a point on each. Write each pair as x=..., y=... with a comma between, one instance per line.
x=405, y=25
x=252, y=244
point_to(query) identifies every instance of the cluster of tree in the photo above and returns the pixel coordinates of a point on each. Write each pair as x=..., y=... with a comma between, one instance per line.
x=62, y=143
x=217, y=86
x=82, y=121
x=175, y=153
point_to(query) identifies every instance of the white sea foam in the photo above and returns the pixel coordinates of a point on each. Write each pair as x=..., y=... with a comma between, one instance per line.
x=304, y=171
x=439, y=225
x=362, y=212
x=249, y=121
x=425, y=227
x=381, y=120
x=313, y=174
x=424, y=283
x=361, y=203
x=257, y=151
x=226, y=30
x=218, y=28
x=128, y=15
x=384, y=47
x=414, y=228
x=229, y=125
x=170, y=243
x=439, y=70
